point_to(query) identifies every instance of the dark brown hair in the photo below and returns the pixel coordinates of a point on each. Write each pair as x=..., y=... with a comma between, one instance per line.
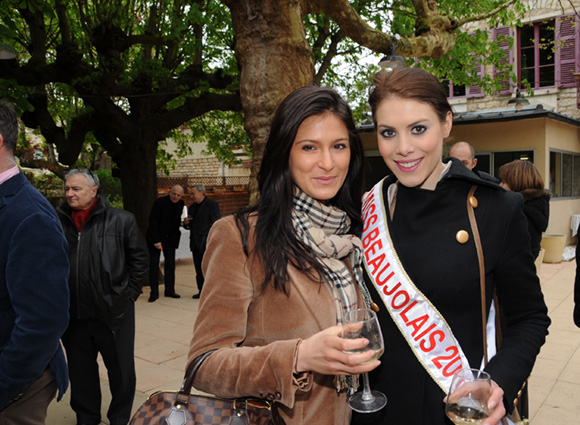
x=276, y=243
x=409, y=83
x=520, y=175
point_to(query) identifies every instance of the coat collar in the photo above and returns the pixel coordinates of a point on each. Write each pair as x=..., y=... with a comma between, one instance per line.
x=10, y=187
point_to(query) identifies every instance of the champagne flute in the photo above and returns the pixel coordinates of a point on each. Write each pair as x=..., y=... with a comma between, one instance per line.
x=468, y=397
x=363, y=323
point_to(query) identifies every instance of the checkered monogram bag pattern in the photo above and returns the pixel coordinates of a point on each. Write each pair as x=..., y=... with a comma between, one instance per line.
x=169, y=408
x=183, y=408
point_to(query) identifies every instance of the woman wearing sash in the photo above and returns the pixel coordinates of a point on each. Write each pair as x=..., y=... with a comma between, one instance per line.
x=422, y=263
x=280, y=274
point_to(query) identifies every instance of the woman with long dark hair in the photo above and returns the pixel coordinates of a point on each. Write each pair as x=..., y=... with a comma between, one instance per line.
x=281, y=274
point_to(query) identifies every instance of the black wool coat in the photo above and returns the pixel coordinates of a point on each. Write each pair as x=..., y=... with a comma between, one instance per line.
x=537, y=211
x=423, y=231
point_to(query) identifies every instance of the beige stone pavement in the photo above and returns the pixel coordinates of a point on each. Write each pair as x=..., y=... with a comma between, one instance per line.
x=164, y=330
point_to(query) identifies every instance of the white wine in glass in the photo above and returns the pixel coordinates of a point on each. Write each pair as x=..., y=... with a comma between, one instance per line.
x=363, y=323
x=468, y=397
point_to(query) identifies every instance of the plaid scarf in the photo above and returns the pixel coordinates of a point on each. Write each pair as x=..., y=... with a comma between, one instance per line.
x=323, y=229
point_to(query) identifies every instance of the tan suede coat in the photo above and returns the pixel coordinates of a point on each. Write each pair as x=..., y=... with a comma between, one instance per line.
x=257, y=334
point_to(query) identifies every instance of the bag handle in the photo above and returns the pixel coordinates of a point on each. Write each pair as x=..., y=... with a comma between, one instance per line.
x=191, y=371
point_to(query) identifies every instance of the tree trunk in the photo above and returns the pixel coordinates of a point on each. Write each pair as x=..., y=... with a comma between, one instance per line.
x=274, y=58
x=139, y=178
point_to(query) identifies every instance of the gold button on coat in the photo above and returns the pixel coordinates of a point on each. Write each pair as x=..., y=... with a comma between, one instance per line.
x=462, y=236
x=473, y=201
x=375, y=307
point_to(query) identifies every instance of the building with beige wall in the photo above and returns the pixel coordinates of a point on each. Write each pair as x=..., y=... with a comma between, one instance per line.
x=546, y=131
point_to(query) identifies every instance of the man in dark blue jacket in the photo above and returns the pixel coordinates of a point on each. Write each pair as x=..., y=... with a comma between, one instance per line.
x=109, y=262
x=34, y=294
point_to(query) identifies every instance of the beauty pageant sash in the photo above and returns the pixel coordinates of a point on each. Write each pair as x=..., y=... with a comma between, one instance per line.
x=423, y=327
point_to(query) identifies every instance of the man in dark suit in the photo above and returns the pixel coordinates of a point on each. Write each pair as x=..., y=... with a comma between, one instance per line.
x=163, y=234
x=202, y=213
x=34, y=295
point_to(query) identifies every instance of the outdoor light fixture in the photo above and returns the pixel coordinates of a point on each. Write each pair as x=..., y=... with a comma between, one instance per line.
x=7, y=51
x=518, y=101
x=392, y=61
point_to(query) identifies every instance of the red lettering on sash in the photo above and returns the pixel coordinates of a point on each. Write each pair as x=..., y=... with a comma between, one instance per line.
x=370, y=220
x=405, y=295
x=426, y=331
x=417, y=323
x=378, y=279
x=406, y=310
x=375, y=263
x=432, y=343
x=446, y=372
x=452, y=357
x=370, y=237
x=372, y=248
x=386, y=289
x=368, y=199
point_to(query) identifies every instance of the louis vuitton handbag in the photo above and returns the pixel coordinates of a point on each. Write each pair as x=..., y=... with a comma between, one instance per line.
x=183, y=408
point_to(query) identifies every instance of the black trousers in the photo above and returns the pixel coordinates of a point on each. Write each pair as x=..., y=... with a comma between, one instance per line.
x=83, y=340
x=168, y=269
x=197, y=258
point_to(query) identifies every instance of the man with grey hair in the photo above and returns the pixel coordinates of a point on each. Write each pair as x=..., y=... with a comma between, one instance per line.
x=33, y=291
x=201, y=215
x=109, y=264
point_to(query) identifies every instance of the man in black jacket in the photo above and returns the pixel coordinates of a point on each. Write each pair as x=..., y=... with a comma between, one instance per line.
x=108, y=265
x=202, y=214
x=163, y=234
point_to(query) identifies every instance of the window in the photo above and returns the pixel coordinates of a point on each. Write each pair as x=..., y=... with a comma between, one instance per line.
x=548, y=53
x=537, y=65
x=564, y=174
x=501, y=158
x=453, y=90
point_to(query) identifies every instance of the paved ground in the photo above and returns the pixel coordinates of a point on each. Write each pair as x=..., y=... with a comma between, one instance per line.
x=164, y=331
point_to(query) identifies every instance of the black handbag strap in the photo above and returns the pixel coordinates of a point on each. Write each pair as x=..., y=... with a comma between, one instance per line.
x=191, y=371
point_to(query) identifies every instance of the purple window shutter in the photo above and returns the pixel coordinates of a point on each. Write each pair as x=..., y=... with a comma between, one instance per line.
x=567, y=49
x=474, y=90
x=503, y=76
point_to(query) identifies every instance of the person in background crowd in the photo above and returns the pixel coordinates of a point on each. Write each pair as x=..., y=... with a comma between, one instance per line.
x=163, y=234
x=524, y=178
x=109, y=264
x=280, y=274
x=421, y=259
x=464, y=152
x=34, y=295
x=202, y=214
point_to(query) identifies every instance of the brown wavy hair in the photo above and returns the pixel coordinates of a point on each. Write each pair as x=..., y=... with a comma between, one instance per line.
x=520, y=175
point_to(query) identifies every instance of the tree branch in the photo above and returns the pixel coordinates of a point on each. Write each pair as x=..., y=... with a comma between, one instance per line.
x=485, y=16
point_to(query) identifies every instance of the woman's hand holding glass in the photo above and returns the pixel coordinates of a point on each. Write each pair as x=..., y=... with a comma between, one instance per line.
x=326, y=352
x=474, y=399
